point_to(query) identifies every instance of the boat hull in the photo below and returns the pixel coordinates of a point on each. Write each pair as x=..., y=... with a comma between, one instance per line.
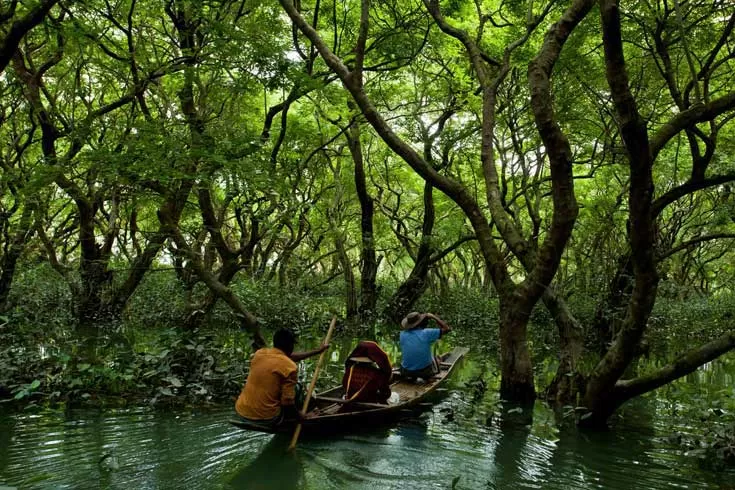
x=328, y=411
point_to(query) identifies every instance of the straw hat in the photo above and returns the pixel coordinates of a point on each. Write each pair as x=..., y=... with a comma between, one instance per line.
x=412, y=320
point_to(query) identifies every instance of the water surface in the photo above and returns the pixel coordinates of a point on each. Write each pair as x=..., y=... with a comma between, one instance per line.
x=468, y=439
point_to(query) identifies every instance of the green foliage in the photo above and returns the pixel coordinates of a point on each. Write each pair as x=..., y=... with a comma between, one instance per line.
x=288, y=308
x=41, y=298
x=160, y=301
x=192, y=368
x=162, y=366
x=714, y=447
x=468, y=309
x=676, y=325
x=26, y=390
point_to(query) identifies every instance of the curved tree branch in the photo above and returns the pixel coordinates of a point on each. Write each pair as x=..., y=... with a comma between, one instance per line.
x=685, y=364
x=20, y=28
x=685, y=119
x=695, y=241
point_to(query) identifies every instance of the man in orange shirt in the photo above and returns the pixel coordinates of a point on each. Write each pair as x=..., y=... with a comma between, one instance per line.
x=269, y=394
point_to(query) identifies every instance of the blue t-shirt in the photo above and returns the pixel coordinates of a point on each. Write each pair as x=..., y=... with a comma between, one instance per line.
x=416, y=347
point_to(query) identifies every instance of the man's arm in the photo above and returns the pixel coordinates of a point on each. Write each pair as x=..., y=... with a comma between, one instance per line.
x=443, y=326
x=288, y=397
x=300, y=356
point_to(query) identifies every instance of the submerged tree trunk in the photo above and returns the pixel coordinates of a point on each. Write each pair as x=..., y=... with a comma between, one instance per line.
x=568, y=383
x=625, y=313
x=516, y=382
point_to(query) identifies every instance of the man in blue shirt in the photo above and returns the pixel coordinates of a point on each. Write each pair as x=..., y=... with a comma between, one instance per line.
x=416, y=340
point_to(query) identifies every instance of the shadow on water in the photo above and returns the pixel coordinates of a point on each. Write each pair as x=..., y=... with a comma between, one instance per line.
x=274, y=468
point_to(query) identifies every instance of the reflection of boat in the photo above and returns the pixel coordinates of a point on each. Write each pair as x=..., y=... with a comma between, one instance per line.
x=329, y=410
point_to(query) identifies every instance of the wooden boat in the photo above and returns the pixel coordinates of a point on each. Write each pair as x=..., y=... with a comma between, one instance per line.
x=329, y=410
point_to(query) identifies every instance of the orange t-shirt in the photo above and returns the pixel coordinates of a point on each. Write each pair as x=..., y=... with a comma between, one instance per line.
x=271, y=384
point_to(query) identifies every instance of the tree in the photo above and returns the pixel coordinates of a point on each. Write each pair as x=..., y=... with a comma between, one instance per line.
x=606, y=389
x=516, y=299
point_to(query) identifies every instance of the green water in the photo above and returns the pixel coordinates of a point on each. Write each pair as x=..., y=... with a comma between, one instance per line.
x=468, y=434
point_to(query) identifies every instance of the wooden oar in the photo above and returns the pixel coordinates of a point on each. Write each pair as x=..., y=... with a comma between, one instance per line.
x=296, y=433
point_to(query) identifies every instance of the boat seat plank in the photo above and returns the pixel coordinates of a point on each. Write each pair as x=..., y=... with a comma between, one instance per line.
x=457, y=353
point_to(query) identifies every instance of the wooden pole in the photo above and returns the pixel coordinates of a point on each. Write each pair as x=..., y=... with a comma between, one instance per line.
x=296, y=433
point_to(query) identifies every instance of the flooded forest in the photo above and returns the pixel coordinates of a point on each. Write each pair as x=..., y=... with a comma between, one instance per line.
x=555, y=179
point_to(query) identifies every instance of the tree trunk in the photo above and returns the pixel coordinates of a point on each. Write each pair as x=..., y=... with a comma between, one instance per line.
x=95, y=281
x=17, y=244
x=248, y=320
x=368, y=262
x=568, y=383
x=172, y=206
x=198, y=313
x=600, y=393
x=94, y=304
x=349, y=277
x=414, y=286
x=610, y=312
x=409, y=291
x=517, y=382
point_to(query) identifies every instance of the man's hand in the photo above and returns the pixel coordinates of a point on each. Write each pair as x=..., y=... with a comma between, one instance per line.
x=300, y=356
x=442, y=324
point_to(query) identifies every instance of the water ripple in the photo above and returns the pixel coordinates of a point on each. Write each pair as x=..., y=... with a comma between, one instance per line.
x=146, y=449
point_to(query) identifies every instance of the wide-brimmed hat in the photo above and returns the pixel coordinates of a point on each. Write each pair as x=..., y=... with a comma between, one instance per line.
x=412, y=320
